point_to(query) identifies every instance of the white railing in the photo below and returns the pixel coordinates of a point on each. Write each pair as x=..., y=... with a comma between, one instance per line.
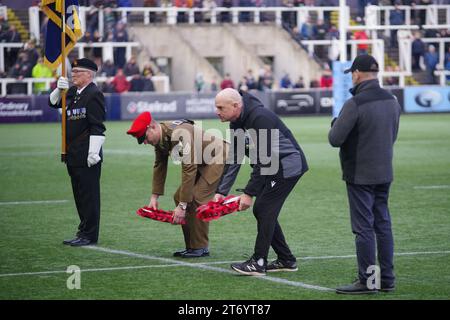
x=161, y=83
x=377, y=47
x=28, y=81
x=170, y=15
x=107, y=48
x=401, y=75
x=442, y=74
x=4, y=12
x=432, y=12
x=3, y=46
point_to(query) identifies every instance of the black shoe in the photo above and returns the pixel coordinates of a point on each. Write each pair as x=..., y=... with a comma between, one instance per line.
x=179, y=253
x=69, y=242
x=387, y=288
x=356, y=288
x=82, y=242
x=196, y=253
x=280, y=265
x=250, y=268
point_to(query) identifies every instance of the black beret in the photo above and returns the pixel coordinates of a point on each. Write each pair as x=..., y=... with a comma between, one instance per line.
x=85, y=63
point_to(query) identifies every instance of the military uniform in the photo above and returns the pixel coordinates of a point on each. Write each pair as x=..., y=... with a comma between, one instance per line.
x=199, y=178
x=85, y=115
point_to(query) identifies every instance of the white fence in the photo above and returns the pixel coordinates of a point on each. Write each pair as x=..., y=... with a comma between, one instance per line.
x=161, y=83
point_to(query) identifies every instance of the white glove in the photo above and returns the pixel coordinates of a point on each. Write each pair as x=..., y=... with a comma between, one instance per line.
x=62, y=84
x=95, y=144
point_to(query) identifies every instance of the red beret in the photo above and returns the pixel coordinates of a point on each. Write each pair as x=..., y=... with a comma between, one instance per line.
x=140, y=125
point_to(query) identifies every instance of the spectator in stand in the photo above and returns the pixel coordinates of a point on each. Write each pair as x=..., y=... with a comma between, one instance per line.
x=148, y=83
x=20, y=70
x=265, y=79
x=4, y=28
x=92, y=19
x=327, y=14
x=285, y=82
x=242, y=85
x=214, y=86
x=86, y=37
x=227, y=82
x=124, y=3
x=251, y=81
x=136, y=83
x=447, y=65
x=299, y=84
x=96, y=51
x=209, y=5
x=11, y=53
x=225, y=16
x=363, y=48
x=418, y=50
x=396, y=18
x=109, y=19
x=40, y=70
x=326, y=80
x=289, y=18
x=120, y=35
x=199, y=83
x=182, y=16
x=131, y=68
x=245, y=16
x=321, y=29
x=296, y=33
x=308, y=30
x=431, y=60
x=31, y=51
x=147, y=70
x=314, y=84
x=120, y=82
x=4, y=25
x=108, y=69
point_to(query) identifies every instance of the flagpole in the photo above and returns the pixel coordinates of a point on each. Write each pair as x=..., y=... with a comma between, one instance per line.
x=63, y=74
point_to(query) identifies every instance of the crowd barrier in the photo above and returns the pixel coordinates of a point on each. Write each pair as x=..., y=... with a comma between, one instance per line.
x=15, y=109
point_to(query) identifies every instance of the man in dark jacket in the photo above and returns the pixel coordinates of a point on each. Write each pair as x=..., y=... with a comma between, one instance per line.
x=85, y=137
x=278, y=163
x=365, y=131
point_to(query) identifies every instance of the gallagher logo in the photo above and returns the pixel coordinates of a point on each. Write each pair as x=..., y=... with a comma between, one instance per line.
x=428, y=98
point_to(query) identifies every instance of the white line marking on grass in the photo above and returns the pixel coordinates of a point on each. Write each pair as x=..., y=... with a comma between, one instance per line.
x=444, y=186
x=202, y=263
x=87, y=270
x=206, y=267
x=32, y=202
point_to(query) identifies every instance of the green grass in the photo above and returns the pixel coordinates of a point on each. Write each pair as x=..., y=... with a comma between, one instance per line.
x=315, y=220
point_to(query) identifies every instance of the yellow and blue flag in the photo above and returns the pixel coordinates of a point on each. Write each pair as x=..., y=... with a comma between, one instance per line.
x=53, y=10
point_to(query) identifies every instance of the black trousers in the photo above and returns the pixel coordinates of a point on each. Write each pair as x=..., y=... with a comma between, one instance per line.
x=86, y=192
x=266, y=210
x=371, y=225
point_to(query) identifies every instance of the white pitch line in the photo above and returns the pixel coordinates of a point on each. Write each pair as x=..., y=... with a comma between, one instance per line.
x=445, y=186
x=206, y=267
x=205, y=263
x=32, y=202
x=87, y=270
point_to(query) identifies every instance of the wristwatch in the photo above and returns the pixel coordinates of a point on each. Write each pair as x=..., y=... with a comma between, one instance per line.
x=182, y=205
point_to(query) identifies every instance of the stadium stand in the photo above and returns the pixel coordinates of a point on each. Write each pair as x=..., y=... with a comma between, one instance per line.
x=410, y=39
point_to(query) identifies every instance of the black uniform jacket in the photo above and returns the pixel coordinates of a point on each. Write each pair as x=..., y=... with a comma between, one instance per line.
x=85, y=115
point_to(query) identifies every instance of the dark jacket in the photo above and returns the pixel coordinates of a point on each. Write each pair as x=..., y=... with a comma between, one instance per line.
x=366, y=130
x=287, y=157
x=84, y=118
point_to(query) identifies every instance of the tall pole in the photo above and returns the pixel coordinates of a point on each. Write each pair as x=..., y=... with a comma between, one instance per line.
x=343, y=23
x=63, y=74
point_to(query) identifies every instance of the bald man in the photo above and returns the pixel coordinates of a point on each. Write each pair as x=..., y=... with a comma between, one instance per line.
x=278, y=163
